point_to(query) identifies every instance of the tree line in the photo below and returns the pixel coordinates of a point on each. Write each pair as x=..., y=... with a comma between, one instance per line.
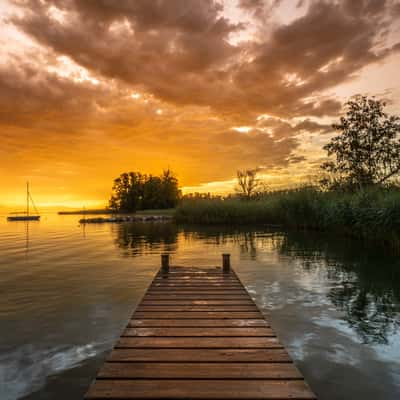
x=366, y=153
x=134, y=191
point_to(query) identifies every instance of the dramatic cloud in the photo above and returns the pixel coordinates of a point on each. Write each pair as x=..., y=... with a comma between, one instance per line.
x=145, y=43
x=146, y=84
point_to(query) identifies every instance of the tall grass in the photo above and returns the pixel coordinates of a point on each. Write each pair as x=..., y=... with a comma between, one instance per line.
x=370, y=214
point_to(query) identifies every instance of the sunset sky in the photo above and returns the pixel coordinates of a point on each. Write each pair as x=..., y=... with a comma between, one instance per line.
x=93, y=88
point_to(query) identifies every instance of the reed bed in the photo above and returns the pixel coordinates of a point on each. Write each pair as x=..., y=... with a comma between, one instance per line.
x=370, y=214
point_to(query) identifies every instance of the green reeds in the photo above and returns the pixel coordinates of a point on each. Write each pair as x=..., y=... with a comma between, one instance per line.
x=369, y=214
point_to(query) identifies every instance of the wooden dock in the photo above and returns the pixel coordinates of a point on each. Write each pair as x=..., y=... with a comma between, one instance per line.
x=197, y=334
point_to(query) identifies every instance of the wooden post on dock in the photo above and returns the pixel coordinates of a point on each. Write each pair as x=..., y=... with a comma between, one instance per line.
x=226, y=263
x=165, y=263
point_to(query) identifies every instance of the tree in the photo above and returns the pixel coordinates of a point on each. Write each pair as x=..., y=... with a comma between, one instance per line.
x=367, y=151
x=170, y=192
x=247, y=182
x=152, y=193
x=136, y=191
x=127, y=192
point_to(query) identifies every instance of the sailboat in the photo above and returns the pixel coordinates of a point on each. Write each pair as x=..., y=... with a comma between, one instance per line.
x=26, y=216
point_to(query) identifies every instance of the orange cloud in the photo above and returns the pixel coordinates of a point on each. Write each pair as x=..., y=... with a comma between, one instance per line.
x=91, y=89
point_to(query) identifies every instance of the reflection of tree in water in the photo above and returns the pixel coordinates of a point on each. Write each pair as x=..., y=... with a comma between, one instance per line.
x=367, y=281
x=141, y=238
x=246, y=238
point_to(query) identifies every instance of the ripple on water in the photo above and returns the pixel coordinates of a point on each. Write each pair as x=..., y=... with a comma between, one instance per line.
x=67, y=292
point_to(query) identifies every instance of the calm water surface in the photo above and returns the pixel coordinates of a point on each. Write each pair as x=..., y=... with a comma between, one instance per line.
x=67, y=292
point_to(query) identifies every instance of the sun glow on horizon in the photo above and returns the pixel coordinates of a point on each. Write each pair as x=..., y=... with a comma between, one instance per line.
x=223, y=88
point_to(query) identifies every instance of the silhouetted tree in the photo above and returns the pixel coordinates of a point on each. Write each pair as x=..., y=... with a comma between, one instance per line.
x=170, y=189
x=135, y=191
x=367, y=152
x=127, y=192
x=247, y=182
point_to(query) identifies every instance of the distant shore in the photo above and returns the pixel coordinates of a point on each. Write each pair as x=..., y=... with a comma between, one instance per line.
x=86, y=212
x=126, y=218
x=103, y=211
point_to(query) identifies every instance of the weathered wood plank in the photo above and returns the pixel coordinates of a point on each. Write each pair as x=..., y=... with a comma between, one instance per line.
x=196, y=315
x=180, y=308
x=190, y=280
x=167, y=303
x=199, y=389
x=226, y=332
x=218, y=295
x=218, y=290
x=171, y=276
x=196, y=297
x=195, y=282
x=200, y=355
x=178, y=283
x=199, y=342
x=140, y=370
x=217, y=323
x=196, y=271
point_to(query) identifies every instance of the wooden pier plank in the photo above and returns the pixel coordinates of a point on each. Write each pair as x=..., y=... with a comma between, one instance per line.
x=198, y=315
x=167, y=303
x=185, y=308
x=188, y=323
x=199, y=342
x=170, y=370
x=203, y=355
x=200, y=389
x=199, y=331
x=197, y=334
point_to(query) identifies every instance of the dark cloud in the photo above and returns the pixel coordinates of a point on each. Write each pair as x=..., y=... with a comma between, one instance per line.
x=181, y=56
x=180, y=51
x=324, y=48
x=143, y=43
x=313, y=127
x=395, y=9
x=279, y=129
x=260, y=9
x=364, y=7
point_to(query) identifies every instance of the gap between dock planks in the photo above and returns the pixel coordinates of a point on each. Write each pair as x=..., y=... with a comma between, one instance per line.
x=197, y=334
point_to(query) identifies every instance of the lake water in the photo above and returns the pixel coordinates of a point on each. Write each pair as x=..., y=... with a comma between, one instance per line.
x=66, y=292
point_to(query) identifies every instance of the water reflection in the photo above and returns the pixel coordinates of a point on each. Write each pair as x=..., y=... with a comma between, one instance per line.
x=364, y=285
x=143, y=238
x=333, y=302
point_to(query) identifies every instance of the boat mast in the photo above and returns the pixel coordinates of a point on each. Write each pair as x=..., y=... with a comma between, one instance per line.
x=27, y=198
